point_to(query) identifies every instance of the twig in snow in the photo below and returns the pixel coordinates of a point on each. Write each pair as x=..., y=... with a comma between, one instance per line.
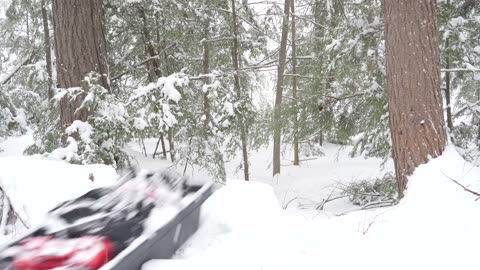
x=17, y=215
x=370, y=224
x=285, y=206
x=5, y=210
x=464, y=187
x=330, y=199
x=378, y=204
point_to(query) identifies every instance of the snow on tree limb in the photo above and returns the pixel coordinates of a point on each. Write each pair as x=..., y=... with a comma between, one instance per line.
x=7, y=78
x=460, y=70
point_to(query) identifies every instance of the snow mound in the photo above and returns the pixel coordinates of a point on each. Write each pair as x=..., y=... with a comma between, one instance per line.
x=35, y=185
x=14, y=146
x=436, y=226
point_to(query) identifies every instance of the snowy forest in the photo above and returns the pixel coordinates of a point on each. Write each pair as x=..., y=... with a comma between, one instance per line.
x=198, y=76
x=333, y=106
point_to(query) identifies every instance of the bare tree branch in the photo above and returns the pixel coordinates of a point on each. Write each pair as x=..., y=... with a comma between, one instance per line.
x=344, y=97
x=116, y=77
x=464, y=187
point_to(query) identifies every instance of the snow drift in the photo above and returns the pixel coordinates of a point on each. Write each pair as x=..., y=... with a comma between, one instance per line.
x=35, y=185
x=436, y=226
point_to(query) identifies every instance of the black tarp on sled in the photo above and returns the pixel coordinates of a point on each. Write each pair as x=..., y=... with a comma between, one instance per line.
x=121, y=214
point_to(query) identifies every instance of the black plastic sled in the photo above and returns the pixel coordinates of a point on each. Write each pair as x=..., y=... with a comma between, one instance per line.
x=144, y=216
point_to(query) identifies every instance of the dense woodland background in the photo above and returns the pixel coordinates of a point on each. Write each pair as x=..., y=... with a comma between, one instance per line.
x=205, y=77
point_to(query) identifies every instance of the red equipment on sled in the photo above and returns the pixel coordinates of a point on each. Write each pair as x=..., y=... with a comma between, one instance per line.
x=41, y=253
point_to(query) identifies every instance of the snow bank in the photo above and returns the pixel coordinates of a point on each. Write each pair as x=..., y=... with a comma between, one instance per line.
x=14, y=146
x=436, y=226
x=36, y=185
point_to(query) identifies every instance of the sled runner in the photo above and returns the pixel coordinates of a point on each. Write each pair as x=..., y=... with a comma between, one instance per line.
x=144, y=216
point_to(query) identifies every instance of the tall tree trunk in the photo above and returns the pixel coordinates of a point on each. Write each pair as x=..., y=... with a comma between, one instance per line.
x=478, y=122
x=296, y=159
x=80, y=49
x=171, y=144
x=277, y=126
x=319, y=32
x=417, y=124
x=149, y=46
x=164, y=152
x=447, y=91
x=47, y=48
x=150, y=52
x=206, y=67
x=243, y=128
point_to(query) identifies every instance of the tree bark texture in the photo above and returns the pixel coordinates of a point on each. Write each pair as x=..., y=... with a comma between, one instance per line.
x=447, y=92
x=171, y=144
x=150, y=52
x=277, y=125
x=80, y=49
x=47, y=48
x=417, y=124
x=148, y=44
x=236, y=66
x=206, y=70
x=296, y=159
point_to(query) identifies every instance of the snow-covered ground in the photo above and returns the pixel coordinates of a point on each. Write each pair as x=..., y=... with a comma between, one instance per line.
x=298, y=188
x=35, y=185
x=434, y=227
x=244, y=224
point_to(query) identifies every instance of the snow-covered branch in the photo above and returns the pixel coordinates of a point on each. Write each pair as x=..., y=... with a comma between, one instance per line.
x=132, y=68
x=343, y=97
x=460, y=70
x=20, y=64
x=299, y=76
x=468, y=106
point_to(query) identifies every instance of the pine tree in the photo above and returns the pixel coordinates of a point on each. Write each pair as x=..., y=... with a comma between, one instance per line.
x=80, y=49
x=417, y=123
x=277, y=118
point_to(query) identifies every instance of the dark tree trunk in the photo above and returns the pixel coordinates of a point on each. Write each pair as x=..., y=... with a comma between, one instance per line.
x=236, y=66
x=417, y=124
x=206, y=67
x=150, y=52
x=171, y=144
x=296, y=159
x=319, y=31
x=79, y=49
x=47, y=48
x=277, y=125
x=164, y=149
x=149, y=46
x=447, y=92
x=164, y=152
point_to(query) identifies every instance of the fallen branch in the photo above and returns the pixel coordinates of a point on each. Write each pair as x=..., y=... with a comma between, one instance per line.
x=288, y=203
x=5, y=210
x=370, y=224
x=17, y=215
x=378, y=204
x=308, y=159
x=329, y=199
x=464, y=187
